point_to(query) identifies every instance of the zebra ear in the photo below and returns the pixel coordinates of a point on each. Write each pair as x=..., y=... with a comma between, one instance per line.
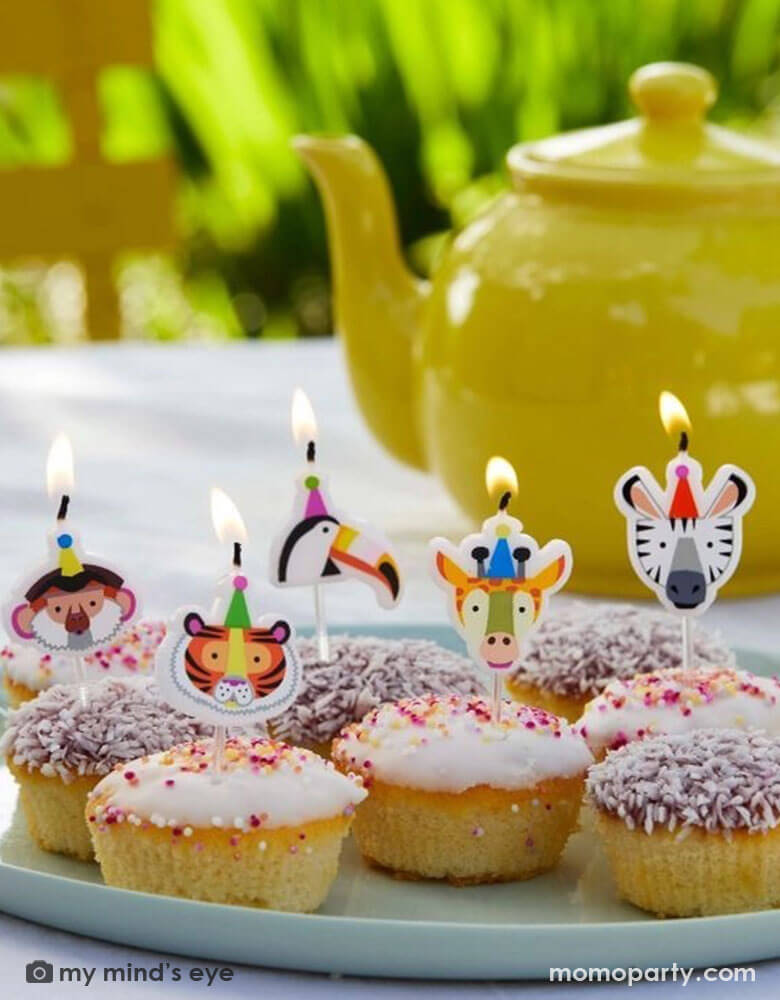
x=638, y=498
x=731, y=496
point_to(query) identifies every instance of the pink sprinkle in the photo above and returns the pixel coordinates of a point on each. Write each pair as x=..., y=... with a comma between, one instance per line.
x=529, y=842
x=130, y=775
x=169, y=782
x=234, y=841
x=478, y=831
x=254, y=820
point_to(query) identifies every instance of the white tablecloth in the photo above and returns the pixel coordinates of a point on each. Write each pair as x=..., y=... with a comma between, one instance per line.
x=153, y=427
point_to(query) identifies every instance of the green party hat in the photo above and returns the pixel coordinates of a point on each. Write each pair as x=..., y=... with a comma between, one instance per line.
x=238, y=613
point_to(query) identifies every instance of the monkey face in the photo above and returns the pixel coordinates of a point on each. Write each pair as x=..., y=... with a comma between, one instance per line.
x=74, y=620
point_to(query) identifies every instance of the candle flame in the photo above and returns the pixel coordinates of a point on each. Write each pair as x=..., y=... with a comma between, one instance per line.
x=226, y=517
x=59, y=466
x=304, y=423
x=500, y=477
x=674, y=416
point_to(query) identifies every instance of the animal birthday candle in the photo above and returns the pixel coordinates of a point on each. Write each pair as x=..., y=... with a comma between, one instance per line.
x=684, y=540
x=498, y=582
x=320, y=545
x=234, y=670
x=73, y=603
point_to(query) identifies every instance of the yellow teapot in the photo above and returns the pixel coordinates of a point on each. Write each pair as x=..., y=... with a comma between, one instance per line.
x=626, y=259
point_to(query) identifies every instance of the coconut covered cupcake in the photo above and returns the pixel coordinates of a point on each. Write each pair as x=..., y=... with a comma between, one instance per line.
x=455, y=795
x=265, y=831
x=365, y=672
x=691, y=823
x=27, y=671
x=58, y=750
x=573, y=655
x=678, y=701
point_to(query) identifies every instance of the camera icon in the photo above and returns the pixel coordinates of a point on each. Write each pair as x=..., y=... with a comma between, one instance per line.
x=39, y=972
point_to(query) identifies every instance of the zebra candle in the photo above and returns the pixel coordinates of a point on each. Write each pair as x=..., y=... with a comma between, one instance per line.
x=73, y=603
x=497, y=582
x=233, y=671
x=319, y=545
x=684, y=541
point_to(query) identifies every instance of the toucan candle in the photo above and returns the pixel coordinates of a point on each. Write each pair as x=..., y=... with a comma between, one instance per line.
x=226, y=668
x=497, y=583
x=684, y=540
x=319, y=544
x=73, y=603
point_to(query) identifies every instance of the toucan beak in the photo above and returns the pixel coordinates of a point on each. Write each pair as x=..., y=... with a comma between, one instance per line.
x=354, y=552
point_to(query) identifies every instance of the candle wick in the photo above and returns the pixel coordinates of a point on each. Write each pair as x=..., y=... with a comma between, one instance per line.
x=683, y=441
x=237, y=554
x=311, y=451
x=503, y=503
x=62, y=510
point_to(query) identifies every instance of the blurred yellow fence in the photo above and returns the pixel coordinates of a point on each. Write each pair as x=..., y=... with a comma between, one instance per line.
x=87, y=209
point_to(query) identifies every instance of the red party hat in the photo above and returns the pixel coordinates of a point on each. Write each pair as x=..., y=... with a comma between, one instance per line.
x=683, y=504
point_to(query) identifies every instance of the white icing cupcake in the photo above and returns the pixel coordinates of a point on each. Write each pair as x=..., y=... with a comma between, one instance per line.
x=678, y=701
x=27, y=671
x=266, y=830
x=576, y=652
x=455, y=794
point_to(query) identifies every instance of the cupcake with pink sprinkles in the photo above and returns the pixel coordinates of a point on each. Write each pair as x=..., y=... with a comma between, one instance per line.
x=263, y=828
x=457, y=794
x=27, y=672
x=577, y=652
x=691, y=822
x=678, y=701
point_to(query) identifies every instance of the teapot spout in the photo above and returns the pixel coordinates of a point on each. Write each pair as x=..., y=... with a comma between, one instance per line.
x=379, y=303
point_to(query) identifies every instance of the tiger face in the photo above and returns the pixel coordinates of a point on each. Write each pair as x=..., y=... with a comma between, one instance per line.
x=235, y=666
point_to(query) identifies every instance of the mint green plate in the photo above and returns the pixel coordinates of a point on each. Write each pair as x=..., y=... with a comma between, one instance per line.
x=372, y=924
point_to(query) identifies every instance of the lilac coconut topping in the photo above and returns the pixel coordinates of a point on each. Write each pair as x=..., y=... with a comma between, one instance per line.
x=580, y=650
x=711, y=779
x=363, y=673
x=123, y=719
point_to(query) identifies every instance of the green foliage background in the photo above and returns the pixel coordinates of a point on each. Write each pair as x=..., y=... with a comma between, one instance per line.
x=441, y=88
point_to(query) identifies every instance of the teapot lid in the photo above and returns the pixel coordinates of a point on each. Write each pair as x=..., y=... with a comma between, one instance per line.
x=669, y=147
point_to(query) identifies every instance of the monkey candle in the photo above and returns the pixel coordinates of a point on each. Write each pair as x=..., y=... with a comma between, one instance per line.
x=220, y=667
x=319, y=545
x=497, y=583
x=684, y=541
x=73, y=603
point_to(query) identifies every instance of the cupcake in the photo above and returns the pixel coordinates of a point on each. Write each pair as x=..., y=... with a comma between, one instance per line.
x=58, y=750
x=572, y=656
x=456, y=795
x=28, y=672
x=266, y=831
x=363, y=673
x=690, y=822
x=678, y=701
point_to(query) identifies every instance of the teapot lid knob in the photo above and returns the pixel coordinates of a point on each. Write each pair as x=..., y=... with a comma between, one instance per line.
x=671, y=91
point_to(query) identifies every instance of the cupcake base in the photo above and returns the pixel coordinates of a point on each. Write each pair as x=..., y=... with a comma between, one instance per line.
x=702, y=874
x=568, y=707
x=16, y=693
x=54, y=811
x=481, y=835
x=290, y=868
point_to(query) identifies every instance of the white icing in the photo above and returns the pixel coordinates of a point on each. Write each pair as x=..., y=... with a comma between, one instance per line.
x=450, y=743
x=297, y=788
x=131, y=653
x=674, y=702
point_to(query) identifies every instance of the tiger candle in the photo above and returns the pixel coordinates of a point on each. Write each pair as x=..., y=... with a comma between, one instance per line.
x=229, y=671
x=74, y=603
x=684, y=541
x=497, y=582
x=320, y=545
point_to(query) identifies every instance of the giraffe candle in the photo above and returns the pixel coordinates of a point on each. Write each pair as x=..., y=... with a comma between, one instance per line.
x=497, y=582
x=684, y=541
x=319, y=545
x=232, y=671
x=73, y=603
